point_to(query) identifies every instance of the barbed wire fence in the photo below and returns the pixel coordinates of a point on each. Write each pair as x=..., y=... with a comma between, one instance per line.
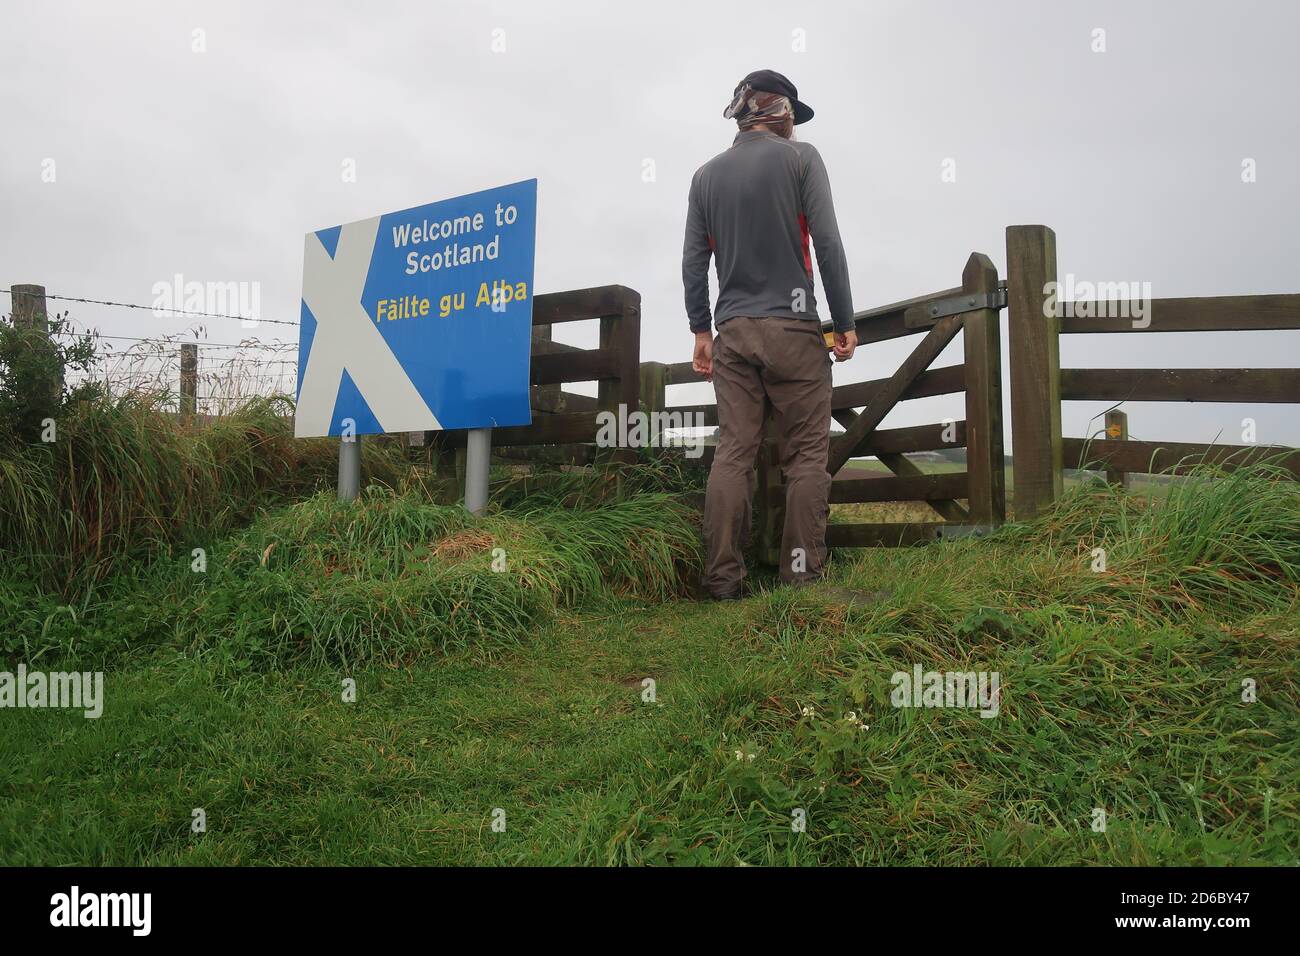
x=181, y=369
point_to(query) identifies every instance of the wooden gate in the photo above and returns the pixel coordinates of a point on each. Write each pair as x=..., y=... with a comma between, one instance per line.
x=968, y=502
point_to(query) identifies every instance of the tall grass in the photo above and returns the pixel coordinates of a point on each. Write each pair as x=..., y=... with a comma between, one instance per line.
x=1211, y=538
x=125, y=479
x=399, y=576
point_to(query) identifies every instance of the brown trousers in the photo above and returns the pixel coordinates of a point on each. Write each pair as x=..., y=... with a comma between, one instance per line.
x=785, y=362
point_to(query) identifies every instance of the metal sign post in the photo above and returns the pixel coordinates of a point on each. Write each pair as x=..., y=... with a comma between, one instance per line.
x=349, y=468
x=478, y=454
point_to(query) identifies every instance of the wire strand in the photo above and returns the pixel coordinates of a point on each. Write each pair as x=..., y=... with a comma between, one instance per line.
x=206, y=344
x=150, y=308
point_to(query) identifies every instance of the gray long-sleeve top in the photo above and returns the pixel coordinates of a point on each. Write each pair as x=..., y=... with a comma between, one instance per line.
x=754, y=207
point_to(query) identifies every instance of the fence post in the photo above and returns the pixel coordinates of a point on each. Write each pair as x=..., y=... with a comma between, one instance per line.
x=985, y=466
x=653, y=398
x=28, y=312
x=1116, y=430
x=443, y=460
x=189, y=381
x=654, y=386
x=621, y=334
x=542, y=393
x=1034, y=333
x=414, y=446
x=29, y=307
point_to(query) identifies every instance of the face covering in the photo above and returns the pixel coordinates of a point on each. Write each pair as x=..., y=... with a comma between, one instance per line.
x=752, y=107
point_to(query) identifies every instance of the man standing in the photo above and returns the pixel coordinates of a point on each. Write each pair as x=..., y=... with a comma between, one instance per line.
x=754, y=208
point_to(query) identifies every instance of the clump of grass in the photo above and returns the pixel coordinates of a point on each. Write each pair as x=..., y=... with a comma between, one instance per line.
x=1211, y=537
x=1225, y=535
x=395, y=576
x=125, y=479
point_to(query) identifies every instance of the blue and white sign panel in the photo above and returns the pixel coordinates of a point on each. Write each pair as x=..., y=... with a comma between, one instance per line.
x=420, y=319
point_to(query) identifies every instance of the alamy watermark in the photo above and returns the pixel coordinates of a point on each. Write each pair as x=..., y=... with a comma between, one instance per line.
x=176, y=298
x=1098, y=300
x=54, y=689
x=971, y=689
x=75, y=908
x=640, y=429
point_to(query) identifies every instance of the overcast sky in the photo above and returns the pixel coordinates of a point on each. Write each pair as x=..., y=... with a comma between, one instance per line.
x=214, y=163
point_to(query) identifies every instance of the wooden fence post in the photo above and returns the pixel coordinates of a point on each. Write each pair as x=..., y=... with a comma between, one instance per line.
x=985, y=466
x=1034, y=333
x=29, y=307
x=189, y=381
x=28, y=312
x=621, y=334
x=544, y=396
x=1116, y=430
x=653, y=386
x=653, y=398
x=444, y=460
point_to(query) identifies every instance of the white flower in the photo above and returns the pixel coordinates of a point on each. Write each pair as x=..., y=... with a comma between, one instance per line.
x=808, y=711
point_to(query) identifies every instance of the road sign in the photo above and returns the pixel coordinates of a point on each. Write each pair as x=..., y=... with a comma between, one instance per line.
x=420, y=319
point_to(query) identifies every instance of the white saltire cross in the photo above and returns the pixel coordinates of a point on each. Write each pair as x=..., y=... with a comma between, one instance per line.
x=347, y=338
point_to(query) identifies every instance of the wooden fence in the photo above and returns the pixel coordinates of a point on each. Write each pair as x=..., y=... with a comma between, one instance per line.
x=975, y=499
x=565, y=425
x=1039, y=384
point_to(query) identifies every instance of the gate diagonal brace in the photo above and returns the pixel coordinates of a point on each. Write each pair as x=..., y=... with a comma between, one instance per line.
x=928, y=313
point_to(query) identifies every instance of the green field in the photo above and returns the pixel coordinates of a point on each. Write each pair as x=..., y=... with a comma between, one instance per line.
x=519, y=696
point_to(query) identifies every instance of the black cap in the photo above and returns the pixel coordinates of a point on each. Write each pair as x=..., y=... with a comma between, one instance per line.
x=770, y=81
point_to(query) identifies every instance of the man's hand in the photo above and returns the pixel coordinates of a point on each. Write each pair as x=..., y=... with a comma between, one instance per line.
x=845, y=343
x=702, y=360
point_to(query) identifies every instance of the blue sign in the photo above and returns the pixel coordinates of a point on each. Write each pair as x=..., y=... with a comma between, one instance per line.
x=420, y=319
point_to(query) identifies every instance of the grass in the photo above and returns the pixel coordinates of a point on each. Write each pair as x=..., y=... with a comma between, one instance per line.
x=126, y=480
x=525, y=691
x=400, y=576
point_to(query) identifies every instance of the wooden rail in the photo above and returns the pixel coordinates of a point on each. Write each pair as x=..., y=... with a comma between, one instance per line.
x=1149, y=457
x=1228, y=313
x=1270, y=385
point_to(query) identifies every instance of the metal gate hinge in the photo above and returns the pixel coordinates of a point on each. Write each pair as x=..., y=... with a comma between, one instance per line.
x=928, y=313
